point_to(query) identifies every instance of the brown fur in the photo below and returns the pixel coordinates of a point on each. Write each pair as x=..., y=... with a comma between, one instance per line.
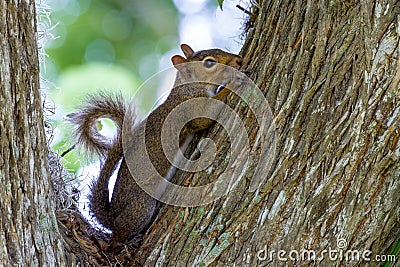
x=131, y=209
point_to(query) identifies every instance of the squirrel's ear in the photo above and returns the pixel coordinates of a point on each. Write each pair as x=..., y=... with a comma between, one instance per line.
x=187, y=50
x=177, y=60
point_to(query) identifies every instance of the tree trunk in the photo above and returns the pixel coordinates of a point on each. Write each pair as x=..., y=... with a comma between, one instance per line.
x=28, y=227
x=330, y=71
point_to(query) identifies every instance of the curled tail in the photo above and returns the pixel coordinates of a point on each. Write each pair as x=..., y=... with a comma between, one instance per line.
x=101, y=106
x=98, y=106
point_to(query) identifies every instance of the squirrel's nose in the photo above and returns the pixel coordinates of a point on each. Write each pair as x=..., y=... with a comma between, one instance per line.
x=237, y=62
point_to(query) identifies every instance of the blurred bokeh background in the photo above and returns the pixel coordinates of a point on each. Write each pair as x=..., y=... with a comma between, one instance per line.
x=116, y=45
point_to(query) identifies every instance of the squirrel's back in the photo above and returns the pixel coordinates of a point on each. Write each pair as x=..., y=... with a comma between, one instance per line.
x=131, y=209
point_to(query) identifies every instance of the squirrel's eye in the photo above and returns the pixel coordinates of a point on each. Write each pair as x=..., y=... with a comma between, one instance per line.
x=208, y=63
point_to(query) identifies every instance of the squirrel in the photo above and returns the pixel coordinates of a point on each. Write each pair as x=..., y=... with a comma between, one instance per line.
x=131, y=209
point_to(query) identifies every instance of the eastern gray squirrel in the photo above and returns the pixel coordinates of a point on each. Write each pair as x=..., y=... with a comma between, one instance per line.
x=131, y=209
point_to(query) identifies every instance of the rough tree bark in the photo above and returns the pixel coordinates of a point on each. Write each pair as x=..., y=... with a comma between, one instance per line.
x=28, y=227
x=330, y=71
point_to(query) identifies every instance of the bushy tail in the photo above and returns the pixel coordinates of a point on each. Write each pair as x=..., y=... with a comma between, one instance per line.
x=110, y=106
x=100, y=205
x=101, y=106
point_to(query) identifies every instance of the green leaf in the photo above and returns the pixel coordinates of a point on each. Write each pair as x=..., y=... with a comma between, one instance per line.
x=220, y=2
x=99, y=125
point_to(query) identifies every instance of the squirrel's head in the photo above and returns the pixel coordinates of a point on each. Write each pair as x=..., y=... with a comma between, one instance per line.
x=207, y=72
x=201, y=75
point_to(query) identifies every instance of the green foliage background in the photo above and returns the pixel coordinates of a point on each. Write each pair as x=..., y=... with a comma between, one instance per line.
x=104, y=45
